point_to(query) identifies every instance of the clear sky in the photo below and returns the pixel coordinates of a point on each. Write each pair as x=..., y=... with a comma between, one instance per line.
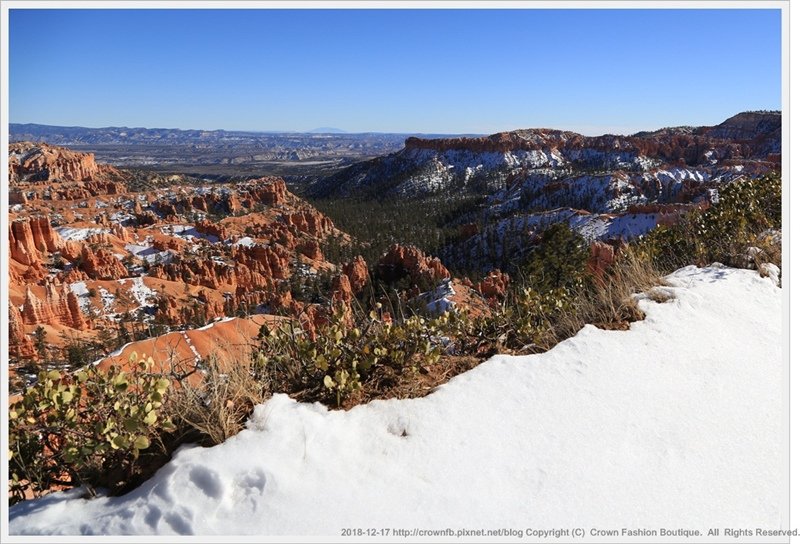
x=431, y=71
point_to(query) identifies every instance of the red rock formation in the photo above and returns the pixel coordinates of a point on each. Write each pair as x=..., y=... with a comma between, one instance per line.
x=171, y=242
x=270, y=191
x=601, y=256
x=42, y=162
x=102, y=264
x=494, y=285
x=212, y=229
x=254, y=267
x=19, y=343
x=342, y=297
x=121, y=232
x=311, y=222
x=212, y=308
x=311, y=249
x=32, y=237
x=402, y=261
x=72, y=275
x=16, y=196
x=167, y=311
x=358, y=274
x=60, y=307
x=145, y=218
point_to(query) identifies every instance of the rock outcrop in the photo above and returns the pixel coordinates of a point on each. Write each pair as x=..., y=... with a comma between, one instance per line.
x=494, y=163
x=310, y=221
x=358, y=274
x=270, y=191
x=59, y=307
x=401, y=261
x=19, y=343
x=101, y=264
x=31, y=239
x=494, y=285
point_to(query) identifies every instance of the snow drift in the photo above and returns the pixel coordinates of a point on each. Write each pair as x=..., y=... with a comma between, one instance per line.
x=675, y=423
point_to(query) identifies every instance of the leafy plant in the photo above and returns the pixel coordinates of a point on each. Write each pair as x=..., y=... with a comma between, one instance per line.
x=723, y=232
x=90, y=428
x=333, y=361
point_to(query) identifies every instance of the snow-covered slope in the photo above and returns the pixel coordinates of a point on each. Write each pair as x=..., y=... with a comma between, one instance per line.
x=675, y=423
x=607, y=171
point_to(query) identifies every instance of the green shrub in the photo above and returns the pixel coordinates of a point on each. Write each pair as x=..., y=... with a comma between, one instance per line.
x=89, y=428
x=723, y=232
x=333, y=362
x=558, y=261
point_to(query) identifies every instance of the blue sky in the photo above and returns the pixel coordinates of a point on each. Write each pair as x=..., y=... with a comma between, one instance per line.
x=431, y=71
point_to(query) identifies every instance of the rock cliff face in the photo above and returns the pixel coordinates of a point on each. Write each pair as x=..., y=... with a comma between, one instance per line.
x=59, y=307
x=31, y=238
x=357, y=273
x=37, y=162
x=401, y=261
x=245, y=196
x=761, y=128
x=494, y=285
x=101, y=264
x=487, y=164
x=19, y=344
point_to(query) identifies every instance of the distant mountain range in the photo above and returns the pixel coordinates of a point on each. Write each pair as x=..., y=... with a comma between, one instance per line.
x=606, y=187
x=486, y=164
x=228, y=152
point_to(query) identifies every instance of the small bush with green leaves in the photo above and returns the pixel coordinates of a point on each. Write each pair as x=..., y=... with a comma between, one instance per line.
x=89, y=428
x=334, y=362
x=721, y=233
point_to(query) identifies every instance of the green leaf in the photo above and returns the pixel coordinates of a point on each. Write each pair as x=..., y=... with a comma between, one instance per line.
x=321, y=363
x=150, y=418
x=131, y=424
x=162, y=385
x=328, y=381
x=141, y=443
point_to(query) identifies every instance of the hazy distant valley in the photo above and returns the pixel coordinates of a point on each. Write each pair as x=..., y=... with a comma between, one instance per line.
x=217, y=153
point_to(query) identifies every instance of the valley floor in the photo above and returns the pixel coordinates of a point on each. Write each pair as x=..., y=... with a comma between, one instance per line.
x=675, y=423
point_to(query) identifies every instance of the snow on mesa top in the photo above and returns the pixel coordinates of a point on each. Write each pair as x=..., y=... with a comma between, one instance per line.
x=675, y=423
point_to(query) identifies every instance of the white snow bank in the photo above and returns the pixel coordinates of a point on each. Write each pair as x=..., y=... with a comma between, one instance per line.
x=140, y=292
x=438, y=300
x=70, y=233
x=245, y=241
x=675, y=423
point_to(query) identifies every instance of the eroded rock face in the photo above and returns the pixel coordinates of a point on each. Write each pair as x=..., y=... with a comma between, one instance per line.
x=212, y=229
x=101, y=264
x=601, y=257
x=206, y=274
x=401, y=261
x=494, y=285
x=496, y=163
x=270, y=191
x=311, y=249
x=59, y=307
x=41, y=162
x=31, y=238
x=310, y=221
x=19, y=344
x=358, y=274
